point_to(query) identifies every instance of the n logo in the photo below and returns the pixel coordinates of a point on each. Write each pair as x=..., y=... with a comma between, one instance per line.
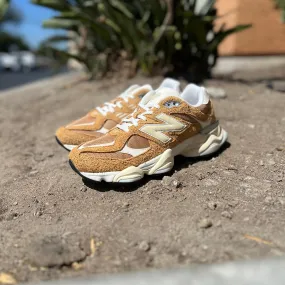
x=156, y=130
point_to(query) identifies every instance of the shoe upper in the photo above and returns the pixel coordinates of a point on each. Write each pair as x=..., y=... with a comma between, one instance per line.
x=101, y=119
x=164, y=118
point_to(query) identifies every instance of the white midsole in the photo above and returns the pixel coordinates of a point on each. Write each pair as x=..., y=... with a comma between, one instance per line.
x=69, y=146
x=199, y=145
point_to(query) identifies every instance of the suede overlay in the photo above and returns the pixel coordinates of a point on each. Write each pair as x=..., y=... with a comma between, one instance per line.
x=85, y=162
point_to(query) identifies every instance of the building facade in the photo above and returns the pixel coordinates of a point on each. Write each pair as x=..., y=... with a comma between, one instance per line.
x=267, y=35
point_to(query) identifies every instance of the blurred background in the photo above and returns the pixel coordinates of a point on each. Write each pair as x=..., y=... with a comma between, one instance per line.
x=21, y=35
x=39, y=38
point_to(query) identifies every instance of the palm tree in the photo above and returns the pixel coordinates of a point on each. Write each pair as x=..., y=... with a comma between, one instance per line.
x=9, y=14
x=4, y=5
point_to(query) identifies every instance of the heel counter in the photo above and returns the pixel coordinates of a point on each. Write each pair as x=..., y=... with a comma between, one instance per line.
x=212, y=115
x=208, y=111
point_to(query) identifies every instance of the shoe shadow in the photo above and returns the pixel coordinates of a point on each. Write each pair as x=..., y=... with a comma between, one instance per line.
x=180, y=162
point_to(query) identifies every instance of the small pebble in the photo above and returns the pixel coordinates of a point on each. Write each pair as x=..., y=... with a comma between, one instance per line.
x=268, y=200
x=126, y=205
x=227, y=214
x=200, y=176
x=39, y=211
x=176, y=183
x=15, y=203
x=170, y=182
x=77, y=266
x=212, y=205
x=205, y=223
x=251, y=126
x=33, y=172
x=144, y=245
x=83, y=189
x=233, y=203
x=12, y=216
x=232, y=167
x=279, y=178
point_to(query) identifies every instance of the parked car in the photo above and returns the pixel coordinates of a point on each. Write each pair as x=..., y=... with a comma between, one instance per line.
x=9, y=61
x=26, y=59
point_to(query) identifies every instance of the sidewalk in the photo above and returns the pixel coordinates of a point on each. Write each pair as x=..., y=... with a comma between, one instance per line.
x=266, y=272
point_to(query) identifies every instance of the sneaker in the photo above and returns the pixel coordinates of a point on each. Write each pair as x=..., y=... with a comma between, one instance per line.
x=164, y=125
x=100, y=120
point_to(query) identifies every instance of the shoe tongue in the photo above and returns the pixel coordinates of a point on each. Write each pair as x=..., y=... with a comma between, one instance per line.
x=136, y=90
x=130, y=89
x=141, y=90
x=159, y=95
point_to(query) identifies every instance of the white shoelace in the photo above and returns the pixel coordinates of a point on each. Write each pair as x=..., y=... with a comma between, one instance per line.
x=110, y=107
x=128, y=122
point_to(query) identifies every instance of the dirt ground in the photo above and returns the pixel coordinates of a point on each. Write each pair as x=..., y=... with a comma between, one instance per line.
x=52, y=225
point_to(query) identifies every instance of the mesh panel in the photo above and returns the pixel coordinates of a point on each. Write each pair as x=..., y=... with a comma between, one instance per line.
x=94, y=134
x=109, y=124
x=84, y=120
x=103, y=140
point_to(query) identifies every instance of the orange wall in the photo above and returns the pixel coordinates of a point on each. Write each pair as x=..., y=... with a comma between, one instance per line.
x=267, y=36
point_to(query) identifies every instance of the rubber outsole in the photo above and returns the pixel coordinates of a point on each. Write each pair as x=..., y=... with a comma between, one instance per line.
x=76, y=170
x=62, y=145
x=199, y=146
x=93, y=181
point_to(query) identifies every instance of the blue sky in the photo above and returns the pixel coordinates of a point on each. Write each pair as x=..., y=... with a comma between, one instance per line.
x=31, y=28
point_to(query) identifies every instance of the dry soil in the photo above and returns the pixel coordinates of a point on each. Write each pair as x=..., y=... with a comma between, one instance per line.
x=228, y=207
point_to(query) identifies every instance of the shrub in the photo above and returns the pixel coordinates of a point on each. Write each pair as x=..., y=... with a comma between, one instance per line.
x=152, y=35
x=281, y=4
x=7, y=40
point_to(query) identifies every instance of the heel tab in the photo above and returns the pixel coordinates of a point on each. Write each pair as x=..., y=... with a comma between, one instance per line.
x=206, y=96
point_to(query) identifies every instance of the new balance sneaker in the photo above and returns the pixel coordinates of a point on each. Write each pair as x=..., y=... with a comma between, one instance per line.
x=164, y=125
x=100, y=120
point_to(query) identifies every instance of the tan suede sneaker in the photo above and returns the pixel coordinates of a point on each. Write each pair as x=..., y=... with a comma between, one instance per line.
x=164, y=125
x=101, y=119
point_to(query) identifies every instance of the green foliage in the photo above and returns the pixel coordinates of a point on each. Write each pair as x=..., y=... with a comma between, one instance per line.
x=4, y=4
x=281, y=4
x=151, y=34
x=9, y=14
x=7, y=40
x=57, y=59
